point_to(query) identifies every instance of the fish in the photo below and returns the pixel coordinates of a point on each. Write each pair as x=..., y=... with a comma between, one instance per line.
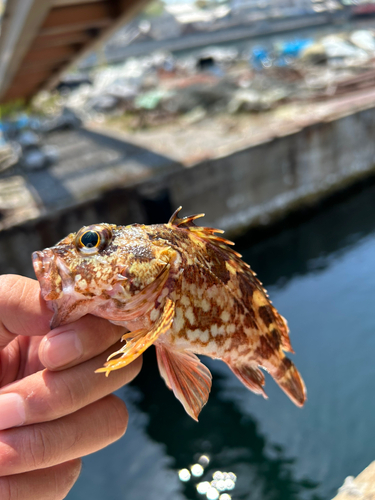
x=178, y=286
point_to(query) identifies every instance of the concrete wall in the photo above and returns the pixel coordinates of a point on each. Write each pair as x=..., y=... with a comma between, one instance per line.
x=255, y=185
x=247, y=188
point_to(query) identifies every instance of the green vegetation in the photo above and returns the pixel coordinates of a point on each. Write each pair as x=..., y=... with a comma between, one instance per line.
x=153, y=9
x=10, y=109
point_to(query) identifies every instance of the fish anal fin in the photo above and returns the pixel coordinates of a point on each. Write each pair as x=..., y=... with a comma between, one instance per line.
x=139, y=340
x=251, y=376
x=186, y=376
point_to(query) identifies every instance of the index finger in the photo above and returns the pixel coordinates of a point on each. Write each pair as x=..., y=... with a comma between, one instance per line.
x=22, y=309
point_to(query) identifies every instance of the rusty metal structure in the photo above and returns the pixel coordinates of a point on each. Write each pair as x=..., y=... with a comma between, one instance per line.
x=40, y=39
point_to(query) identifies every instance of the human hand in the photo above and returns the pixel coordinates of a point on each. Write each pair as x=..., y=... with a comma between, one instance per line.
x=53, y=416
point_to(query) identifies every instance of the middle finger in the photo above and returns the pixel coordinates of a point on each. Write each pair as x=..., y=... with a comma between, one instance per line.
x=47, y=395
x=50, y=443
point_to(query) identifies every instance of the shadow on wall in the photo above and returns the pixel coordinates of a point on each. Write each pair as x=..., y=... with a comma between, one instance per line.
x=90, y=163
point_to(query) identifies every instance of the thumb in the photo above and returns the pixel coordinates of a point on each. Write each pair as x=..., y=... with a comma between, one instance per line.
x=22, y=310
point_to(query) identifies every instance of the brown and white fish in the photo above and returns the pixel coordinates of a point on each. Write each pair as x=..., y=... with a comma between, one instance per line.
x=179, y=287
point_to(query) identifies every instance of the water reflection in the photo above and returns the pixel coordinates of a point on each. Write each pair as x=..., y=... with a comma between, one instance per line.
x=221, y=481
x=230, y=438
x=197, y=470
x=300, y=247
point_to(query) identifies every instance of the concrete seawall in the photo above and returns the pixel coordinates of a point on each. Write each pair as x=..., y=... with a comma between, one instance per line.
x=264, y=182
x=247, y=188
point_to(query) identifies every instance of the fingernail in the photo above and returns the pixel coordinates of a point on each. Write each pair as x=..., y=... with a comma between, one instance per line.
x=12, y=411
x=61, y=349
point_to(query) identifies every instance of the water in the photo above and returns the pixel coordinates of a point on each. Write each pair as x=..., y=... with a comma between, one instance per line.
x=320, y=275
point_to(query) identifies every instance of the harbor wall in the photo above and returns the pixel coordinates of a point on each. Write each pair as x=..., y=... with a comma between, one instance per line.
x=259, y=184
x=247, y=188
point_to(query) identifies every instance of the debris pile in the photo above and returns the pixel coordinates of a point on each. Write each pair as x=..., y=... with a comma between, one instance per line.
x=156, y=89
x=162, y=88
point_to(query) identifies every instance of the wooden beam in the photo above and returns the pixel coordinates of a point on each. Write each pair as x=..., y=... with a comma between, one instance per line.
x=26, y=84
x=23, y=90
x=49, y=54
x=20, y=93
x=22, y=19
x=40, y=39
x=76, y=17
x=68, y=28
x=60, y=3
x=37, y=76
x=128, y=9
x=31, y=69
x=72, y=38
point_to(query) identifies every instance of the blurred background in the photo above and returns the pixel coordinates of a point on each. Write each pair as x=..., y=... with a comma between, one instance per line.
x=260, y=113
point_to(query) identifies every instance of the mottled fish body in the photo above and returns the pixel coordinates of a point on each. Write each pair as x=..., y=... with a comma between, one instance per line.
x=180, y=287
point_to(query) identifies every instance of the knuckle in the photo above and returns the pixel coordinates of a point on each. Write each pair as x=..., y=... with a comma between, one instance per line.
x=37, y=448
x=70, y=394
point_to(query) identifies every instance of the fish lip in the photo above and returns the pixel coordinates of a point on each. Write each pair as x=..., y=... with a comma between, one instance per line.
x=46, y=271
x=55, y=283
x=42, y=261
x=58, y=288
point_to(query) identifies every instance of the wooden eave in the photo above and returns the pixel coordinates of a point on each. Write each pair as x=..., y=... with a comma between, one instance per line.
x=41, y=39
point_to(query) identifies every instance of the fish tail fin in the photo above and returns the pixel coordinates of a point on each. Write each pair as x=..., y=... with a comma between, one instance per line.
x=283, y=330
x=283, y=371
x=288, y=378
x=250, y=375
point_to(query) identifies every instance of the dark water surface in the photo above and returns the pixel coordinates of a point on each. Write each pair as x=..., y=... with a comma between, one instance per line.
x=320, y=274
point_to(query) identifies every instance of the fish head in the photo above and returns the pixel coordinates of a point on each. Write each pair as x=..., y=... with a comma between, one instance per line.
x=106, y=270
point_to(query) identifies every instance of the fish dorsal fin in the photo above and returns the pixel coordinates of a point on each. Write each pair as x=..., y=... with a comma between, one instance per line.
x=207, y=233
x=139, y=340
x=188, y=378
x=185, y=222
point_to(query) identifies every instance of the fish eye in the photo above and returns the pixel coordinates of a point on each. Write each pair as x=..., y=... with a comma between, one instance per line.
x=91, y=240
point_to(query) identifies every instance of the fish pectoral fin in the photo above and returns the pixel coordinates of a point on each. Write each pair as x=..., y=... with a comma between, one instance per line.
x=251, y=376
x=186, y=376
x=139, y=340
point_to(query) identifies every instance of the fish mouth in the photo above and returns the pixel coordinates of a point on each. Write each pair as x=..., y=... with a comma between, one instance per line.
x=46, y=271
x=57, y=288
